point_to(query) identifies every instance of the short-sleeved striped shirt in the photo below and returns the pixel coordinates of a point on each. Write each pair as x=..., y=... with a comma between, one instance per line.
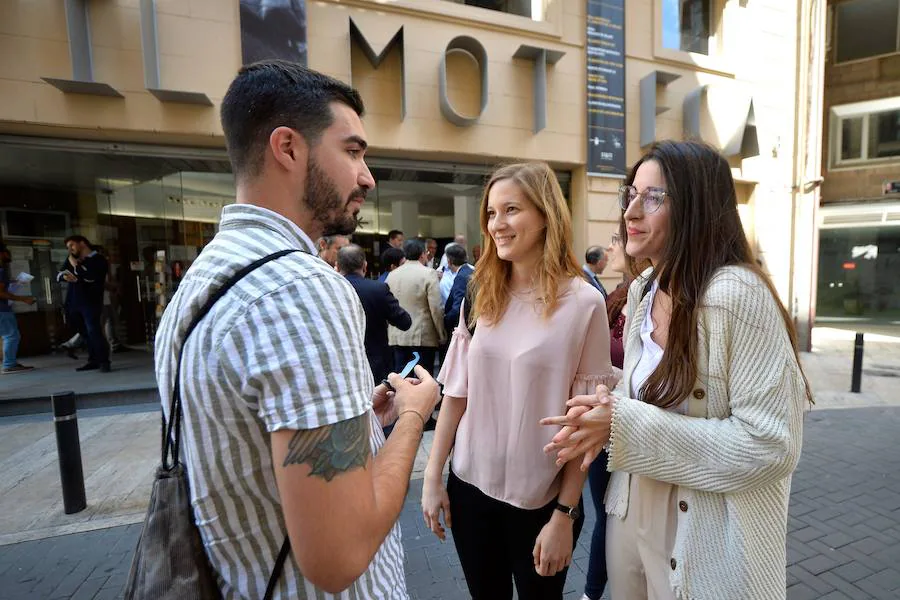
x=283, y=349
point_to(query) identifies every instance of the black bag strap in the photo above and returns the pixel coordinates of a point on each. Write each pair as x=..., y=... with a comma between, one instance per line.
x=172, y=447
x=276, y=570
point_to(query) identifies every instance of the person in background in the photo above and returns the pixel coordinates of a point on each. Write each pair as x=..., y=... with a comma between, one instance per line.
x=9, y=328
x=380, y=307
x=595, y=263
x=540, y=336
x=416, y=288
x=462, y=272
x=328, y=247
x=476, y=253
x=706, y=430
x=390, y=260
x=457, y=239
x=85, y=271
x=430, y=252
x=446, y=274
x=396, y=239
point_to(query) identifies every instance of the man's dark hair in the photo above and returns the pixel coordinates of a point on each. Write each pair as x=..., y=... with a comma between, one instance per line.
x=413, y=249
x=351, y=259
x=79, y=239
x=594, y=254
x=392, y=257
x=456, y=255
x=393, y=233
x=275, y=93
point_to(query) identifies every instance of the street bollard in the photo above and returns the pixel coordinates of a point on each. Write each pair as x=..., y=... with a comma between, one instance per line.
x=857, y=364
x=68, y=447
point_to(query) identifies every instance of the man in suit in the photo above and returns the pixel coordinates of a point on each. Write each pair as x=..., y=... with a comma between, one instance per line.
x=380, y=306
x=85, y=271
x=462, y=271
x=595, y=262
x=417, y=289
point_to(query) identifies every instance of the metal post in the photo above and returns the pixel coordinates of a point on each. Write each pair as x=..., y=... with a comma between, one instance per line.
x=857, y=363
x=68, y=448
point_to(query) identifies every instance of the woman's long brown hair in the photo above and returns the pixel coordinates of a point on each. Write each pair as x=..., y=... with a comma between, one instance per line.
x=538, y=184
x=705, y=234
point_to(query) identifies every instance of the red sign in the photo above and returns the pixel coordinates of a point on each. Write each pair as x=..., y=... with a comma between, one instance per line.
x=849, y=266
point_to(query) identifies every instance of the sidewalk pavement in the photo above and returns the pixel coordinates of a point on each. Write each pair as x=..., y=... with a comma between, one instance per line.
x=844, y=530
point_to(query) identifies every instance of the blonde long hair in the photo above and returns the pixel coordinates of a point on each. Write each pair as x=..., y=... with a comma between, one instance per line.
x=492, y=275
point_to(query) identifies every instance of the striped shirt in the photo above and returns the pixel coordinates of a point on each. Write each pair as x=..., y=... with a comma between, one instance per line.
x=283, y=349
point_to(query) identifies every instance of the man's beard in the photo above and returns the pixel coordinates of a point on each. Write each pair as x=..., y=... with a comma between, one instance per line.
x=326, y=204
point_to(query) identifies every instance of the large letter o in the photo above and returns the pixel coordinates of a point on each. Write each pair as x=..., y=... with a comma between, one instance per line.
x=473, y=48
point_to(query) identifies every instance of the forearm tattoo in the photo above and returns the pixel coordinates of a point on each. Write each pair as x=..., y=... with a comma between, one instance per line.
x=332, y=449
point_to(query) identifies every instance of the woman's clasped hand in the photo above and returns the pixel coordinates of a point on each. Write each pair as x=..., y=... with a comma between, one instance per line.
x=585, y=428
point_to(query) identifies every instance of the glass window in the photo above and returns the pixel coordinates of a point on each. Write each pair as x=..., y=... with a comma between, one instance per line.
x=686, y=25
x=884, y=134
x=523, y=8
x=851, y=138
x=866, y=28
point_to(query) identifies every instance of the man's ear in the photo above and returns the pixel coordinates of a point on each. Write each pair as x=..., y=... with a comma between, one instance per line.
x=288, y=148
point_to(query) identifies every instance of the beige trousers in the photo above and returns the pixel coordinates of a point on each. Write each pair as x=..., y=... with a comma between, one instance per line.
x=639, y=548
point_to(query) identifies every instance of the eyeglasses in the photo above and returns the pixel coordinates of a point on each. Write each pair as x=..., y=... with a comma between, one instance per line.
x=651, y=198
x=616, y=239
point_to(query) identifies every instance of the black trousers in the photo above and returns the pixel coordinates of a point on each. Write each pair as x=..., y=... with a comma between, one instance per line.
x=98, y=347
x=495, y=541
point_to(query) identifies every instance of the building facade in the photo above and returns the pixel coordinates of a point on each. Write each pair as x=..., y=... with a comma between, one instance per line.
x=109, y=121
x=859, y=250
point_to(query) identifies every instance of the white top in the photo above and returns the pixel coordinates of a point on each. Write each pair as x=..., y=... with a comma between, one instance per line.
x=282, y=350
x=652, y=353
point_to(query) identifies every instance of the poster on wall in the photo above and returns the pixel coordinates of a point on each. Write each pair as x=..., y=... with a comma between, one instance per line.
x=606, y=88
x=273, y=29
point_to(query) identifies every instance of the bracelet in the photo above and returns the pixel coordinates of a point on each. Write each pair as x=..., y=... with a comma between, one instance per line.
x=415, y=412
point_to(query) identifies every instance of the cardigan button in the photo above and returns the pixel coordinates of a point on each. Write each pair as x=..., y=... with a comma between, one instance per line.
x=683, y=506
x=673, y=564
x=699, y=394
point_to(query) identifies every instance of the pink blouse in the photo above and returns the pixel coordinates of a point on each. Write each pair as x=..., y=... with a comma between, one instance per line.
x=514, y=373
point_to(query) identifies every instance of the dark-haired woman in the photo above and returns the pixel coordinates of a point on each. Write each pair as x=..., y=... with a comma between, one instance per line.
x=705, y=431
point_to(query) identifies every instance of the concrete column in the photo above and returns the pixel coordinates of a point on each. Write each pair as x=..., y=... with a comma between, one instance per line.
x=405, y=214
x=466, y=219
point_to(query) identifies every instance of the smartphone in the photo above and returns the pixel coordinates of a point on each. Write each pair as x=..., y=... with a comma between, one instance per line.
x=405, y=372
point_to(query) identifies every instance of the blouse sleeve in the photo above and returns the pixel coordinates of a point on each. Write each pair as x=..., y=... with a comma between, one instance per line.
x=454, y=373
x=594, y=367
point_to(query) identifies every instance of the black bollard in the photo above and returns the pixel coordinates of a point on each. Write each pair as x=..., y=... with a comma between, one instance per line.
x=857, y=364
x=68, y=447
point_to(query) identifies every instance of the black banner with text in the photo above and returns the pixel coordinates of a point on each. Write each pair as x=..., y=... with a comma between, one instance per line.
x=606, y=88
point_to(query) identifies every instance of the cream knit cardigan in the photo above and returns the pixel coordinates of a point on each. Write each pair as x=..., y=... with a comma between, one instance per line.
x=731, y=456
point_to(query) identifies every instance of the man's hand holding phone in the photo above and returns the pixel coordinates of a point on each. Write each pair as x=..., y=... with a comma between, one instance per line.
x=418, y=396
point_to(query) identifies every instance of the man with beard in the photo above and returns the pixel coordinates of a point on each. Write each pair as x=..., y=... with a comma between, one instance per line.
x=282, y=423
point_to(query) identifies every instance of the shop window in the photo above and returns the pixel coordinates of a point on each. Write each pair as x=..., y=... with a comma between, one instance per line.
x=866, y=132
x=686, y=25
x=866, y=28
x=523, y=8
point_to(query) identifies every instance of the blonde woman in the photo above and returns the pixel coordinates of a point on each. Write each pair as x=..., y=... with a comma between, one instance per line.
x=706, y=429
x=541, y=336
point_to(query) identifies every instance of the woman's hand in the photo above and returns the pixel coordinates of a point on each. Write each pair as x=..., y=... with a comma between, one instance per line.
x=435, y=500
x=553, y=546
x=586, y=428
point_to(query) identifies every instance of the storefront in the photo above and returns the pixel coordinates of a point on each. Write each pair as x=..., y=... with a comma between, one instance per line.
x=151, y=209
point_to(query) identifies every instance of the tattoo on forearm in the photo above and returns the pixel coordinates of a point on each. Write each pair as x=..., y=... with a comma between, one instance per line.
x=333, y=449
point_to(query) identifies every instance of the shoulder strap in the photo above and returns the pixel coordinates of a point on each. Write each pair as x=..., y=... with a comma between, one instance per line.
x=173, y=447
x=276, y=570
